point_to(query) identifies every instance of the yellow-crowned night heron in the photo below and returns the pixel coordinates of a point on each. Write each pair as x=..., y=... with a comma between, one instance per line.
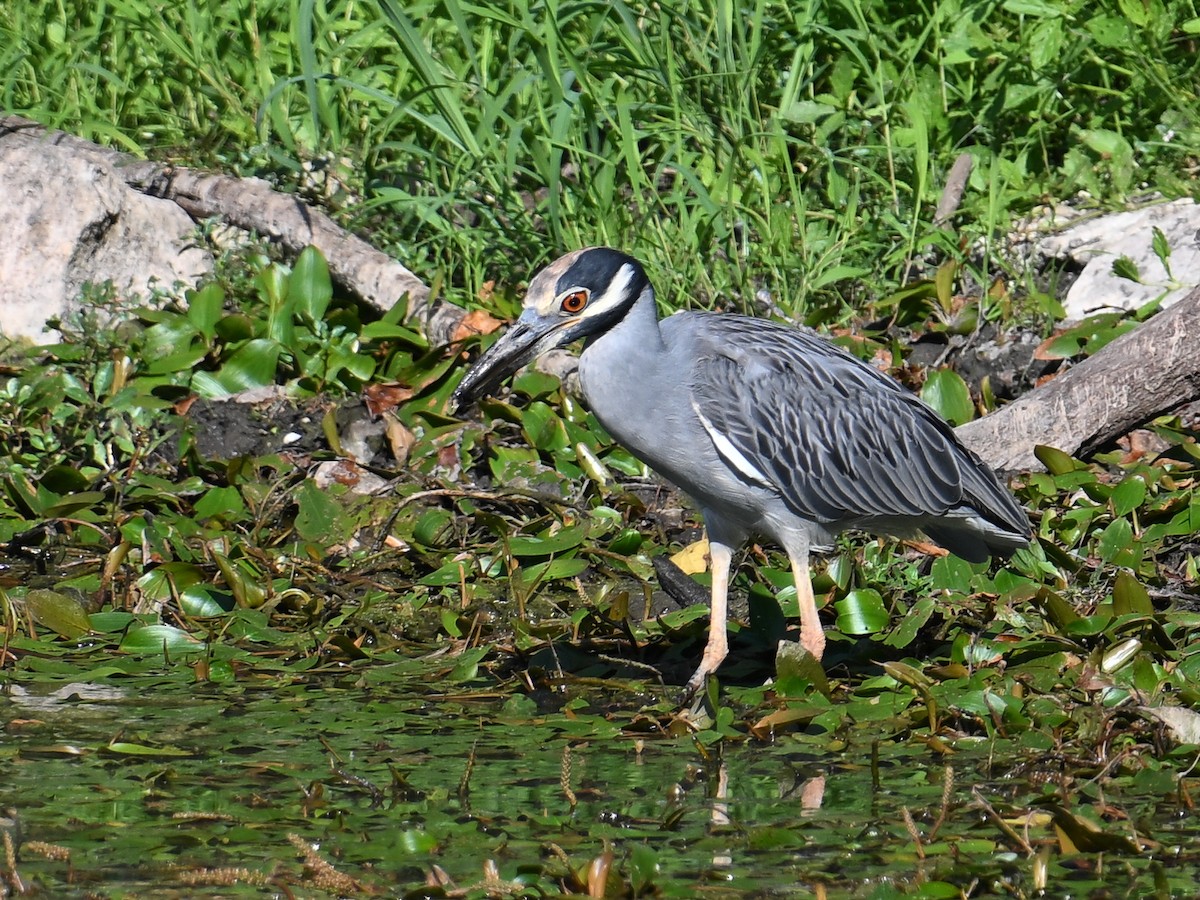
x=773, y=431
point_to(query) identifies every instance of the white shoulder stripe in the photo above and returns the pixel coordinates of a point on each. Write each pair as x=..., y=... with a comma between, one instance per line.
x=730, y=453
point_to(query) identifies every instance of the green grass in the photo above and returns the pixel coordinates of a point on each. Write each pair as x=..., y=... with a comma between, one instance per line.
x=796, y=148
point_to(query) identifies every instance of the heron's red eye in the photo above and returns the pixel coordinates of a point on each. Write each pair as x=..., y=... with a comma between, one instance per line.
x=574, y=302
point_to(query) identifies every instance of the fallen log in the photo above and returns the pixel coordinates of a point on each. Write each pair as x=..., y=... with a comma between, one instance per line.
x=1142, y=374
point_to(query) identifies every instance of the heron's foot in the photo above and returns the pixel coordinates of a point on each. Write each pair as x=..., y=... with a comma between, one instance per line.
x=715, y=652
x=813, y=640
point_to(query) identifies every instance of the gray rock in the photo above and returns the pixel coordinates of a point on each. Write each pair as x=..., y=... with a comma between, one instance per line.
x=1096, y=242
x=67, y=221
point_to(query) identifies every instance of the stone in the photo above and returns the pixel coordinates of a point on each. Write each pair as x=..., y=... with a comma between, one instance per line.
x=66, y=221
x=1095, y=243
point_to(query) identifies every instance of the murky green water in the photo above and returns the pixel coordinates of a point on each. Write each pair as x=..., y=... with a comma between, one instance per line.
x=152, y=784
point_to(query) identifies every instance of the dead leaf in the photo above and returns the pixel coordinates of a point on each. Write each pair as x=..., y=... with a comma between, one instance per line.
x=381, y=398
x=475, y=322
x=692, y=559
x=1183, y=724
x=400, y=438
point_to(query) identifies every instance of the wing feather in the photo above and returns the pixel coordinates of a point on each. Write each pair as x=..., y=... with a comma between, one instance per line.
x=837, y=439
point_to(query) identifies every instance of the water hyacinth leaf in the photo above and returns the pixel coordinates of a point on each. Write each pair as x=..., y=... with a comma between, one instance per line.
x=204, y=309
x=528, y=577
x=1078, y=835
x=160, y=639
x=536, y=385
x=627, y=542
x=63, y=615
x=221, y=502
x=795, y=667
x=543, y=428
x=592, y=465
x=548, y=542
x=861, y=612
x=947, y=393
x=466, y=668
x=74, y=503
x=1116, y=658
x=202, y=600
x=252, y=365
x=243, y=579
x=160, y=582
x=909, y=675
x=910, y=626
x=111, y=622
x=318, y=516
x=452, y=572
x=1130, y=596
x=127, y=748
x=432, y=527
x=1116, y=542
x=1056, y=461
x=168, y=341
x=310, y=289
x=1128, y=495
x=64, y=479
x=950, y=573
x=235, y=327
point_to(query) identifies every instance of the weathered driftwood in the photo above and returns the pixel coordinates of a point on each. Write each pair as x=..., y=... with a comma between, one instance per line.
x=1145, y=372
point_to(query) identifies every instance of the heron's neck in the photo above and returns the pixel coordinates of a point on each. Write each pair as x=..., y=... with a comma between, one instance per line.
x=635, y=335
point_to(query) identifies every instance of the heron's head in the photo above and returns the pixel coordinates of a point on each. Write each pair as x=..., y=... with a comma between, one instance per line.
x=579, y=295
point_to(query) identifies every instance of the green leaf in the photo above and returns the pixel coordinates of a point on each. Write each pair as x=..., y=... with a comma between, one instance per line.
x=910, y=626
x=527, y=577
x=1124, y=267
x=1038, y=8
x=252, y=365
x=205, y=601
x=949, y=396
x=1130, y=596
x=125, y=748
x=1162, y=249
x=806, y=112
x=1056, y=461
x=63, y=615
x=543, y=428
x=1115, y=540
x=548, y=542
x=319, y=516
x=204, y=309
x=432, y=527
x=159, y=639
x=1109, y=31
x=1137, y=11
x=861, y=612
x=1128, y=495
x=221, y=502
x=310, y=289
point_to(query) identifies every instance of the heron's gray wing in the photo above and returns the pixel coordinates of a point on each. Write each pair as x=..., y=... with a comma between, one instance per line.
x=838, y=440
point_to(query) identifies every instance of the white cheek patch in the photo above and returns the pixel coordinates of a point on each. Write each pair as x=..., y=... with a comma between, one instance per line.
x=613, y=296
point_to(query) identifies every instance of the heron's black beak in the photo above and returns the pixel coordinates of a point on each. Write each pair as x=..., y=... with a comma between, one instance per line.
x=528, y=337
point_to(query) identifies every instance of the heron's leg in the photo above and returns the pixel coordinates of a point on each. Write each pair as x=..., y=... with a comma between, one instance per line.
x=721, y=555
x=812, y=635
